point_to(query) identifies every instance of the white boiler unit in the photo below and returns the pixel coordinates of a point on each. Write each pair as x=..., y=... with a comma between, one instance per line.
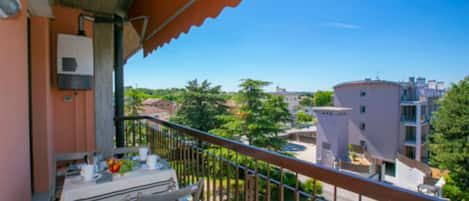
x=74, y=62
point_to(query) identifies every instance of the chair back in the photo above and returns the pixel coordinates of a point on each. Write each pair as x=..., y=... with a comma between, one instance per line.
x=124, y=150
x=72, y=156
x=195, y=190
x=58, y=177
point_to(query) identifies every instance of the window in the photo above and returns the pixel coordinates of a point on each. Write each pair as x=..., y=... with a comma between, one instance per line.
x=362, y=93
x=362, y=126
x=389, y=169
x=410, y=152
x=410, y=134
x=362, y=109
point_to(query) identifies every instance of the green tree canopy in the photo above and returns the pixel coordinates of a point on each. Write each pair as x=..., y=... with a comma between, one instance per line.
x=449, y=140
x=200, y=104
x=303, y=117
x=133, y=101
x=323, y=98
x=259, y=116
x=306, y=101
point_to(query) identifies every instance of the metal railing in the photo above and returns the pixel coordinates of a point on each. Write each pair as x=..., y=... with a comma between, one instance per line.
x=232, y=170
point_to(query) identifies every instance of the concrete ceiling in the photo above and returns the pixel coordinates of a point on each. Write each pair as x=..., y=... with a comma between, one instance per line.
x=105, y=7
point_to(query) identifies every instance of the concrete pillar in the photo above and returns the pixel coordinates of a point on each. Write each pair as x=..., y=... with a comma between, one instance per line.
x=103, y=86
x=418, y=131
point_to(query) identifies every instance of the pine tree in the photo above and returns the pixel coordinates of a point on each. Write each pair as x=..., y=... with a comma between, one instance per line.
x=449, y=140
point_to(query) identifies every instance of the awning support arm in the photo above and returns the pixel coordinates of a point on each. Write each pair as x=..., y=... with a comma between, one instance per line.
x=170, y=19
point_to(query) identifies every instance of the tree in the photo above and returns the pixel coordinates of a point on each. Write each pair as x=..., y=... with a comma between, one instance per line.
x=133, y=101
x=449, y=140
x=323, y=98
x=307, y=101
x=311, y=185
x=303, y=117
x=259, y=116
x=200, y=105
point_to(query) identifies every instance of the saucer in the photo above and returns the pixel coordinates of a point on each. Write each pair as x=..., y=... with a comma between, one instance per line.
x=80, y=179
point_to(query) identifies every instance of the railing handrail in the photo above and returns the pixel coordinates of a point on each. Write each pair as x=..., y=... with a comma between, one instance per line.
x=345, y=180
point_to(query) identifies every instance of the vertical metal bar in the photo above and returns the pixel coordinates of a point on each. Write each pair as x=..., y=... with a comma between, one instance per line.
x=180, y=159
x=208, y=175
x=147, y=133
x=359, y=197
x=197, y=160
x=214, y=179
x=256, y=185
x=335, y=193
x=297, y=190
x=237, y=178
x=246, y=182
x=186, y=161
x=205, y=180
x=220, y=187
x=173, y=146
x=140, y=138
x=314, y=189
x=119, y=80
x=194, y=163
x=228, y=174
x=133, y=133
x=280, y=186
x=268, y=182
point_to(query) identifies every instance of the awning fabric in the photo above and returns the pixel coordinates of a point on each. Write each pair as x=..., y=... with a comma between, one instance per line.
x=167, y=19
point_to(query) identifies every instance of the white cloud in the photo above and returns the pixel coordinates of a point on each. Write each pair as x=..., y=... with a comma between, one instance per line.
x=342, y=25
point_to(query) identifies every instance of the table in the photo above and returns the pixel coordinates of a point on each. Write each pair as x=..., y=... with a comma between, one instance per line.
x=121, y=188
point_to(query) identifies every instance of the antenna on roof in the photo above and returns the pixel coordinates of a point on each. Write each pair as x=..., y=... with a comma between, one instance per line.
x=377, y=75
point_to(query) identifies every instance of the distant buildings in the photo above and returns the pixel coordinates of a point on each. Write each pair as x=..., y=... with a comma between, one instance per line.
x=382, y=118
x=163, y=109
x=293, y=99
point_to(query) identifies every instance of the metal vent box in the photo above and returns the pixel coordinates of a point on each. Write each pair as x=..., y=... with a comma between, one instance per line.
x=74, y=62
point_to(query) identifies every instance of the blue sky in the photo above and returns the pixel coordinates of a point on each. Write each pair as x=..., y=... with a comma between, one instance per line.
x=306, y=45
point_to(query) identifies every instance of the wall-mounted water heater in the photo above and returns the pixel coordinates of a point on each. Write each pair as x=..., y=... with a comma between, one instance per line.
x=74, y=62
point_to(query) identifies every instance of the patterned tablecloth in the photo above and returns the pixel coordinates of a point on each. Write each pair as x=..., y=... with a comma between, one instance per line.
x=121, y=188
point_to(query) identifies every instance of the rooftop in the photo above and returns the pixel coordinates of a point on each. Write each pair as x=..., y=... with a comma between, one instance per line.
x=367, y=82
x=331, y=108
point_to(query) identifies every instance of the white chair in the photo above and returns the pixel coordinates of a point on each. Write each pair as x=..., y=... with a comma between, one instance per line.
x=59, y=176
x=195, y=190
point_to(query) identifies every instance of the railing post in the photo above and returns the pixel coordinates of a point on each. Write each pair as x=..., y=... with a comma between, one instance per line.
x=119, y=80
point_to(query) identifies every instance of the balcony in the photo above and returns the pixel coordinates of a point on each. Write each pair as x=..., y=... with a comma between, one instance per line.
x=408, y=120
x=235, y=171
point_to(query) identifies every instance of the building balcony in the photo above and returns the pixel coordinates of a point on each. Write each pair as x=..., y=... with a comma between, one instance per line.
x=412, y=120
x=232, y=170
x=412, y=143
x=409, y=120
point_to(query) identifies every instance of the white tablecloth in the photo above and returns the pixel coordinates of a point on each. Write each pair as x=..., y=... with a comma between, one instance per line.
x=122, y=188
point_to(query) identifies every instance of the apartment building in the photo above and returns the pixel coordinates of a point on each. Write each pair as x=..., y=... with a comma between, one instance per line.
x=293, y=99
x=386, y=118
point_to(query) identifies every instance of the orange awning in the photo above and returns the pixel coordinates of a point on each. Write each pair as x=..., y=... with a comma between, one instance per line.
x=167, y=19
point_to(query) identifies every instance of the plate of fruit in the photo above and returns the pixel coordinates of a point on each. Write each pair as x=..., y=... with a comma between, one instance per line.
x=120, y=166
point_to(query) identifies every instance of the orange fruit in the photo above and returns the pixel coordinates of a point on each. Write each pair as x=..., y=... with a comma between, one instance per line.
x=115, y=168
x=109, y=162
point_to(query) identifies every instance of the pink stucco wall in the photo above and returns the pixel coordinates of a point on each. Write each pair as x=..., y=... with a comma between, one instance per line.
x=14, y=128
x=382, y=116
x=41, y=97
x=332, y=128
x=74, y=124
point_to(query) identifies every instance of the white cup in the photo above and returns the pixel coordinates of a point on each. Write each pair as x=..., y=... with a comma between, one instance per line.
x=152, y=161
x=143, y=153
x=87, y=172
